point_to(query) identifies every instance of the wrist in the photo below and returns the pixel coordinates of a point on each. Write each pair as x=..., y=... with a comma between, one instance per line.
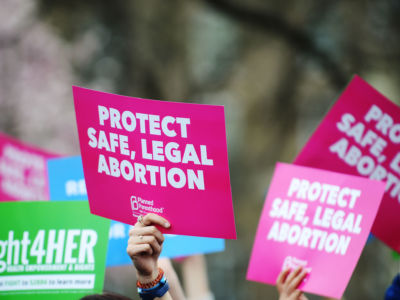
x=150, y=281
x=148, y=278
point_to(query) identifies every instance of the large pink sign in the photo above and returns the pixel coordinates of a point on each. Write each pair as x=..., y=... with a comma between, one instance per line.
x=361, y=135
x=23, y=173
x=316, y=219
x=141, y=156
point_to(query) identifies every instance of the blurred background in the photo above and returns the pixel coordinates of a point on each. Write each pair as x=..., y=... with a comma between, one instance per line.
x=276, y=66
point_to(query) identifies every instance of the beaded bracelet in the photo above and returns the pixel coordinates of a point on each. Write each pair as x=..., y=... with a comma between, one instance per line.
x=156, y=291
x=153, y=283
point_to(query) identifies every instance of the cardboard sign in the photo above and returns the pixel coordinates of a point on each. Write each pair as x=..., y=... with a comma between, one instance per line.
x=66, y=182
x=23, y=174
x=141, y=156
x=317, y=219
x=51, y=250
x=361, y=136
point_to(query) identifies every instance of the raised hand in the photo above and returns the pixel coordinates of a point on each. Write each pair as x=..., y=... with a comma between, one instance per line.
x=287, y=284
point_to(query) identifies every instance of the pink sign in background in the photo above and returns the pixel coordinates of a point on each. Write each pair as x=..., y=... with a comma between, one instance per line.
x=324, y=232
x=141, y=156
x=23, y=173
x=360, y=135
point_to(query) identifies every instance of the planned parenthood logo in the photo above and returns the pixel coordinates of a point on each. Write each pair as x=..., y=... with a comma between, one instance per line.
x=142, y=206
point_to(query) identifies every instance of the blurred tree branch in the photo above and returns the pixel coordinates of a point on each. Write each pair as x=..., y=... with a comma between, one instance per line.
x=297, y=38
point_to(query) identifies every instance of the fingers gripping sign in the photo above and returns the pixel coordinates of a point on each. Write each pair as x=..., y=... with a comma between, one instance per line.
x=150, y=219
x=145, y=245
x=287, y=284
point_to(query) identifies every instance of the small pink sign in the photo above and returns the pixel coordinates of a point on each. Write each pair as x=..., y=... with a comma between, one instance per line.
x=23, y=173
x=141, y=156
x=316, y=219
x=361, y=136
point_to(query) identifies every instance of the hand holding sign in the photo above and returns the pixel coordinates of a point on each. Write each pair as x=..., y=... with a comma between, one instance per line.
x=145, y=244
x=287, y=283
x=144, y=248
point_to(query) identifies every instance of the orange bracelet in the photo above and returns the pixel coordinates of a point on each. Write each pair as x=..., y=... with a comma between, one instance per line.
x=153, y=283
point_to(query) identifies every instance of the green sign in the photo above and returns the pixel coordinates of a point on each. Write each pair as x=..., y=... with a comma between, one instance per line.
x=51, y=250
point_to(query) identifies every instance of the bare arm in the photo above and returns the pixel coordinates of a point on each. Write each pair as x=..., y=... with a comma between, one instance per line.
x=195, y=278
x=175, y=288
x=144, y=248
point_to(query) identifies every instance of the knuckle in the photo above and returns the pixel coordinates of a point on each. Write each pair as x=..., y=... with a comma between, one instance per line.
x=148, y=216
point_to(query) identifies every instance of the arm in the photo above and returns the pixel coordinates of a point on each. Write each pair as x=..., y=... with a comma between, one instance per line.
x=287, y=284
x=144, y=248
x=175, y=288
x=195, y=278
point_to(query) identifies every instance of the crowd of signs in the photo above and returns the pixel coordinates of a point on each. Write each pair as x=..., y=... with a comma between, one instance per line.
x=143, y=156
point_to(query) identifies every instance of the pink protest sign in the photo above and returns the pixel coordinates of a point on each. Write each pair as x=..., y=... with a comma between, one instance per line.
x=141, y=156
x=23, y=173
x=361, y=136
x=316, y=219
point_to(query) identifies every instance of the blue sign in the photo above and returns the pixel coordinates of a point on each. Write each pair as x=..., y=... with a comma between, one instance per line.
x=182, y=245
x=174, y=245
x=66, y=182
